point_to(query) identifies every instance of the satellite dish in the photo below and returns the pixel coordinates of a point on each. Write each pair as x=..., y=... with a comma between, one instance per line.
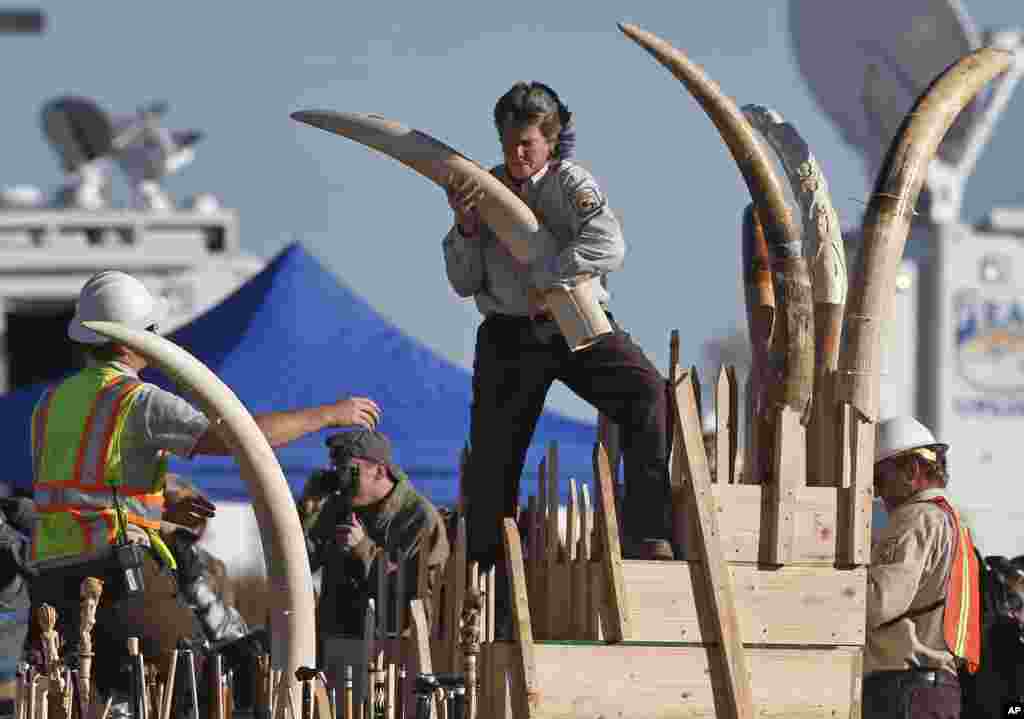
x=78, y=130
x=867, y=62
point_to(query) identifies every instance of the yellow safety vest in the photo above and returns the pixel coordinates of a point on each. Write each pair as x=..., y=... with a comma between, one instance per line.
x=77, y=429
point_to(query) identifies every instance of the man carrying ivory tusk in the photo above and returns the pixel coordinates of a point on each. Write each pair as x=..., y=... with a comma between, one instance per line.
x=519, y=349
x=100, y=441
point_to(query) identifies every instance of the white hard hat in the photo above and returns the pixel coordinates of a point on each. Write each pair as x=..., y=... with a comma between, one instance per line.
x=114, y=297
x=902, y=434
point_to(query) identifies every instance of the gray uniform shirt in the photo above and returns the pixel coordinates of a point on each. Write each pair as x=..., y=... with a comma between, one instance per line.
x=568, y=202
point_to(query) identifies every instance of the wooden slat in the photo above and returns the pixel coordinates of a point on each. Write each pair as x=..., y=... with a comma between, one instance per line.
x=855, y=517
x=500, y=699
x=613, y=597
x=717, y=582
x=734, y=425
x=530, y=560
x=555, y=588
x=571, y=520
x=788, y=476
x=458, y=595
x=524, y=671
x=788, y=605
x=856, y=685
x=741, y=525
x=673, y=364
x=630, y=681
x=725, y=429
x=571, y=600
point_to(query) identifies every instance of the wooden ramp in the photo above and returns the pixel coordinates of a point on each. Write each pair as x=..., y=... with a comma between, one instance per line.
x=763, y=615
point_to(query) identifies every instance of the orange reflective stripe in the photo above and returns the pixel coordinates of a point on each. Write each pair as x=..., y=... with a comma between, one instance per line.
x=107, y=514
x=962, y=614
x=108, y=435
x=86, y=431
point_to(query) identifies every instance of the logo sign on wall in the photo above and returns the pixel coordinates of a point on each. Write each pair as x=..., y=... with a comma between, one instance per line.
x=990, y=342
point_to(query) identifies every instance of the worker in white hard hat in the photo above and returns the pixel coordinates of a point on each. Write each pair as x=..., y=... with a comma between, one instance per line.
x=923, y=613
x=100, y=442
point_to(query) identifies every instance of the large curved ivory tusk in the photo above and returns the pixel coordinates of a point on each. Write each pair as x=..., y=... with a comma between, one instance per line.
x=510, y=218
x=288, y=563
x=822, y=233
x=783, y=234
x=575, y=309
x=889, y=214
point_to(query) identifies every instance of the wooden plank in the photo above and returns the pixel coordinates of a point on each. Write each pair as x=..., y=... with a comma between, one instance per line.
x=630, y=681
x=572, y=534
x=856, y=685
x=500, y=698
x=855, y=515
x=533, y=539
x=725, y=427
x=524, y=671
x=614, y=596
x=788, y=475
x=717, y=583
x=741, y=520
x=734, y=425
x=673, y=364
x=555, y=589
x=591, y=626
x=789, y=605
x=571, y=607
x=458, y=595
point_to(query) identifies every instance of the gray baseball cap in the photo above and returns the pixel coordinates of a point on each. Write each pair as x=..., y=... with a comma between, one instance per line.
x=362, y=443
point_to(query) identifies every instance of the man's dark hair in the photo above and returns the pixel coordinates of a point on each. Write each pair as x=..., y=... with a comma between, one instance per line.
x=528, y=103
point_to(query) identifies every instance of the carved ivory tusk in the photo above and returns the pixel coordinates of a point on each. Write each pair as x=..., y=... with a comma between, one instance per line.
x=794, y=355
x=889, y=214
x=283, y=543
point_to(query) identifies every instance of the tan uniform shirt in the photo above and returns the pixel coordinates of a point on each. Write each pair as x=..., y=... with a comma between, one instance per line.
x=910, y=567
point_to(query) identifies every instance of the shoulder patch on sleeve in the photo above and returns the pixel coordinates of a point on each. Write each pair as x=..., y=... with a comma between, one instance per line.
x=582, y=190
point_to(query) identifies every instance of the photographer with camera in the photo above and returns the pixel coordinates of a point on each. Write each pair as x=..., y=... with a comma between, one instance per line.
x=372, y=508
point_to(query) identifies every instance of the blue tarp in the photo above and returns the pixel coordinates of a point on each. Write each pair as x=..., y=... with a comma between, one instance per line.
x=294, y=336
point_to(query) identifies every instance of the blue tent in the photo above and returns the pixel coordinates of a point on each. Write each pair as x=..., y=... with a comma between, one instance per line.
x=294, y=336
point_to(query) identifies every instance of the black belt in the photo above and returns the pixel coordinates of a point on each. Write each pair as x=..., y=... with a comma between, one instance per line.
x=920, y=677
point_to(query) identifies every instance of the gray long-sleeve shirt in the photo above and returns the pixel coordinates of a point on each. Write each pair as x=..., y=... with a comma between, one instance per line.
x=568, y=202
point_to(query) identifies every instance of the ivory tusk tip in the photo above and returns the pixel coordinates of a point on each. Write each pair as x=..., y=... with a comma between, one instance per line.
x=316, y=118
x=628, y=29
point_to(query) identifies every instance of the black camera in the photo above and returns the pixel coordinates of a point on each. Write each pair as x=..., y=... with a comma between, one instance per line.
x=343, y=483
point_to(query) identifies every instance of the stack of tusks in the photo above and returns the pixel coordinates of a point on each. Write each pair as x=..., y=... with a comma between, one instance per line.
x=577, y=312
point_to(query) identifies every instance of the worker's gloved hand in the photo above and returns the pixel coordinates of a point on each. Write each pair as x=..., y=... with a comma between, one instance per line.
x=191, y=511
x=355, y=412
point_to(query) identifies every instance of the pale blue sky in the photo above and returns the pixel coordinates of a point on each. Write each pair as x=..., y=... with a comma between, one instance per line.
x=236, y=70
